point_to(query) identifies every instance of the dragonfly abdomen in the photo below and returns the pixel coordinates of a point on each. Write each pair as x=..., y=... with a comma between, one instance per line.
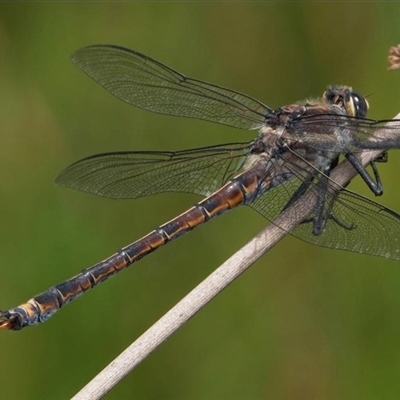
x=43, y=306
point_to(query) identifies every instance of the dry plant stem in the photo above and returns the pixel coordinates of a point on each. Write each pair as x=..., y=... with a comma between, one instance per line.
x=211, y=286
x=181, y=312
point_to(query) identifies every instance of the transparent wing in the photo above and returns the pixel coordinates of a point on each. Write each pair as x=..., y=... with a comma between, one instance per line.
x=136, y=174
x=343, y=134
x=353, y=222
x=148, y=84
x=360, y=225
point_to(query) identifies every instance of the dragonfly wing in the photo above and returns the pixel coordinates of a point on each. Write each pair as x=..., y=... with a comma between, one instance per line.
x=357, y=224
x=343, y=134
x=148, y=84
x=136, y=174
x=353, y=222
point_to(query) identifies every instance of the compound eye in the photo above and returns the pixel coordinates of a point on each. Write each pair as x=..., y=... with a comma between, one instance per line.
x=359, y=105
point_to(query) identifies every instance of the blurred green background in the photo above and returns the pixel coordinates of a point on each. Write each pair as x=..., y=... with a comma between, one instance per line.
x=303, y=322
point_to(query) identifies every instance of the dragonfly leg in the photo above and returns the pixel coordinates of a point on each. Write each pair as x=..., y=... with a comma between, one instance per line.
x=322, y=215
x=383, y=158
x=375, y=186
x=341, y=224
x=320, y=220
x=299, y=192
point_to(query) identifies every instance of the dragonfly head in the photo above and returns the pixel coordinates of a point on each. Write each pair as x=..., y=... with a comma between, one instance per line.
x=351, y=102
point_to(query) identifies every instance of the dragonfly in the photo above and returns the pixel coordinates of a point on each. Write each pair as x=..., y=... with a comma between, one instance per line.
x=296, y=148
